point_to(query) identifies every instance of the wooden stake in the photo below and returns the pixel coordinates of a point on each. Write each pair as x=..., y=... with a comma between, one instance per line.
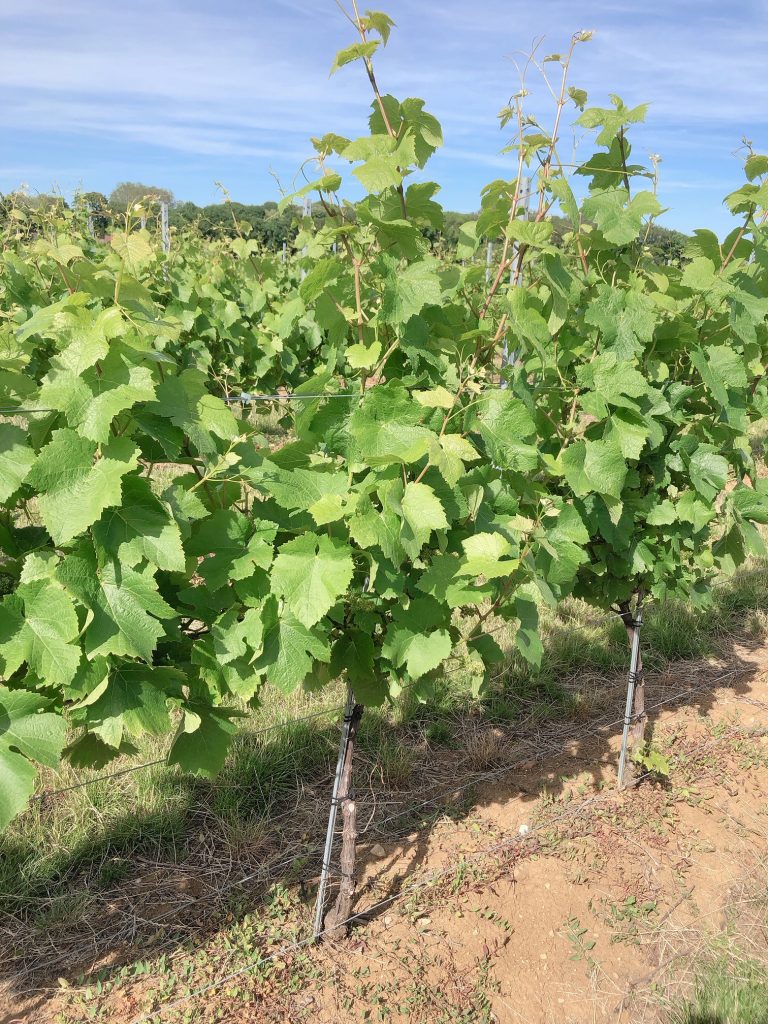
x=635, y=717
x=335, y=926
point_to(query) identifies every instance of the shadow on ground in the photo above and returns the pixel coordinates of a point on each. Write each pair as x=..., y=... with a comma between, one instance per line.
x=214, y=853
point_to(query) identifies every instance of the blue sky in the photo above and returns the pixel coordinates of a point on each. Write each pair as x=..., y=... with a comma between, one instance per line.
x=184, y=93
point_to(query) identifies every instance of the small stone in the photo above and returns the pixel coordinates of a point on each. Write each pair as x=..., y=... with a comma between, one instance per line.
x=524, y=830
x=378, y=850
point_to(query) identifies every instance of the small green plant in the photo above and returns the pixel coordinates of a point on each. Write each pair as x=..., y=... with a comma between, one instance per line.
x=582, y=946
x=652, y=761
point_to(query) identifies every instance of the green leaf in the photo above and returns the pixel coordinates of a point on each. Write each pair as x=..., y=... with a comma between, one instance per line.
x=187, y=403
x=532, y=233
x=625, y=319
x=363, y=357
x=91, y=398
x=296, y=489
x=720, y=368
x=74, y=485
x=752, y=504
x=328, y=509
x=605, y=467
x=528, y=634
x=756, y=165
x=487, y=554
x=16, y=458
x=630, y=430
x=468, y=240
x=134, y=248
x=39, y=626
x=141, y=527
x=614, y=379
x=594, y=466
x=422, y=513
x=444, y=580
x=507, y=428
x=419, y=653
x=28, y=733
x=232, y=546
x=330, y=182
x=134, y=701
x=435, y=398
x=379, y=22
x=426, y=653
x=124, y=602
x=372, y=528
x=618, y=218
x=354, y=653
x=358, y=51
x=709, y=471
x=700, y=275
x=385, y=427
x=379, y=173
x=290, y=649
x=408, y=291
x=310, y=573
x=203, y=739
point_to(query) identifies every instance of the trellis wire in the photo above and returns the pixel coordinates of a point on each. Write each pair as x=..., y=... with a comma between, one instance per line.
x=544, y=750
x=517, y=840
x=613, y=616
x=161, y=760
x=245, y=398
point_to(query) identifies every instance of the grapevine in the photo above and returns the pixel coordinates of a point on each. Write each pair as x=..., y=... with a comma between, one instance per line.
x=427, y=487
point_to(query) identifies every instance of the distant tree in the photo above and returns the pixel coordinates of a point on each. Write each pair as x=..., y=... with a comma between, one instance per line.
x=97, y=206
x=40, y=202
x=262, y=222
x=134, y=191
x=666, y=245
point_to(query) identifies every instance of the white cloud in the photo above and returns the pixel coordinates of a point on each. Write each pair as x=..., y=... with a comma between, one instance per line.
x=243, y=80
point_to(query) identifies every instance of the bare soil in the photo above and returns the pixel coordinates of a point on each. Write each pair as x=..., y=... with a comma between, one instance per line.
x=549, y=898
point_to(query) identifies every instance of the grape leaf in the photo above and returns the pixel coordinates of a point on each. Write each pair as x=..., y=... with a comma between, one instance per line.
x=16, y=458
x=75, y=486
x=289, y=650
x=311, y=573
x=38, y=625
x=28, y=733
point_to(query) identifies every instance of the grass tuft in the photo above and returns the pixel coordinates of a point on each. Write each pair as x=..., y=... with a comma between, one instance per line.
x=727, y=994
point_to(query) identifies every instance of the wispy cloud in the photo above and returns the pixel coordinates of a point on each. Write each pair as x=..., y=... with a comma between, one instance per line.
x=195, y=92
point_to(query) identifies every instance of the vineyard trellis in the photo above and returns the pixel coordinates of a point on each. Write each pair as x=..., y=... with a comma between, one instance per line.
x=520, y=840
x=426, y=489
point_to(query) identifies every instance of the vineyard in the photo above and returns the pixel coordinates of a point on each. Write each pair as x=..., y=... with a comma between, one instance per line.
x=373, y=471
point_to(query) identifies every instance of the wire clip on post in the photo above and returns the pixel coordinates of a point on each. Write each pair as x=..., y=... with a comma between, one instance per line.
x=631, y=682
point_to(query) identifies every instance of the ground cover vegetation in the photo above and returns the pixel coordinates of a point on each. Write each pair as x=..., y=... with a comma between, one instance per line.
x=456, y=453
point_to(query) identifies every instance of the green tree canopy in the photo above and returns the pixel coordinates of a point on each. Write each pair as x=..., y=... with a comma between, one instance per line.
x=134, y=191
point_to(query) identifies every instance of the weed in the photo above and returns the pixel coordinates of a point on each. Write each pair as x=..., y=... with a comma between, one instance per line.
x=582, y=946
x=726, y=993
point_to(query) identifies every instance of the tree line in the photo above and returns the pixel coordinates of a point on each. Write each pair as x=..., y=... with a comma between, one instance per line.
x=265, y=222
